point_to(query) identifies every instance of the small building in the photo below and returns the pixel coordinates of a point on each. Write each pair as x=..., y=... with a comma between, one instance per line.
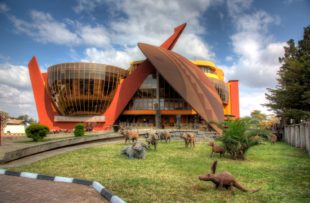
x=15, y=126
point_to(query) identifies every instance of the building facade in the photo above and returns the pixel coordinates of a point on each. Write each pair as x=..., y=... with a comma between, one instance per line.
x=15, y=126
x=164, y=90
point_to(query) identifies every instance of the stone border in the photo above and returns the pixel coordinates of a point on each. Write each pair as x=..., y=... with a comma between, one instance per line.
x=30, y=150
x=105, y=193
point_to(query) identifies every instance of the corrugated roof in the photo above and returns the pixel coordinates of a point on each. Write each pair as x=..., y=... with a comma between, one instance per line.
x=12, y=121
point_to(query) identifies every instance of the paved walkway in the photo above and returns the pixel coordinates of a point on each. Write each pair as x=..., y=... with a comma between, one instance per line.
x=19, y=190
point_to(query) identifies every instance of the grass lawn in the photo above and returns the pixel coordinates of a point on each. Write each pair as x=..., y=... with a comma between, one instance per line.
x=171, y=173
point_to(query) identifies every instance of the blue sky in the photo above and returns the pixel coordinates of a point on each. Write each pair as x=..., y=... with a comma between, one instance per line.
x=243, y=37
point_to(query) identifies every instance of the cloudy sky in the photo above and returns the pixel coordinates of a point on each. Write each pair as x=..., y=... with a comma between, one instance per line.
x=243, y=37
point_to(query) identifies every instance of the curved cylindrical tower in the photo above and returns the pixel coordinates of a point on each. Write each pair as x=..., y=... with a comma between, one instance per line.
x=83, y=88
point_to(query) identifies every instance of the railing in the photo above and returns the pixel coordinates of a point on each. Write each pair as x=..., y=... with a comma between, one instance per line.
x=187, y=126
x=298, y=135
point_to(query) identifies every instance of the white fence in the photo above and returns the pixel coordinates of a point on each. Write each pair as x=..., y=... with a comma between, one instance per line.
x=298, y=135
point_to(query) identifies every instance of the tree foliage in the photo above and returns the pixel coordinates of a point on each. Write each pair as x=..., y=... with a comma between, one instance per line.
x=3, y=119
x=291, y=97
x=26, y=118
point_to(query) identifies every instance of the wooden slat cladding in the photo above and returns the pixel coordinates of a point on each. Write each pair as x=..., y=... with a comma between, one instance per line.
x=83, y=88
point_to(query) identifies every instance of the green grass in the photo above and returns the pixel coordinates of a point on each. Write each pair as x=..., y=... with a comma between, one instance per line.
x=171, y=173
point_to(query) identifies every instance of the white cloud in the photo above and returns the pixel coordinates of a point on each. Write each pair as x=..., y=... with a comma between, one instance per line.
x=142, y=26
x=16, y=95
x=113, y=57
x=4, y=8
x=252, y=99
x=257, y=66
x=86, y=5
x=257, y=53
x=96, y=36
x=155, y=20
x=193, y=47
x=44, y=28
x=229, y=58
x=236, y=7
x=15, y=76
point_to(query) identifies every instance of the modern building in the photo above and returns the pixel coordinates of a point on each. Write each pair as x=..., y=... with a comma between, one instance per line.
x=166, y=89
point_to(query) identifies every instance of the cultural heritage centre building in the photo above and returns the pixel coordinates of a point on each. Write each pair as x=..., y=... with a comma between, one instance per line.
x=166, y=89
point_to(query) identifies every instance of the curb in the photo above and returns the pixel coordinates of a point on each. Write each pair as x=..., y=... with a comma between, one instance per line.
x=105, y=193
x=55, y=144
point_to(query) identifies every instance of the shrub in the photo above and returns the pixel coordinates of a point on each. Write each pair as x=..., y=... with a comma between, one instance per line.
x=36, y=131
x=237, y=138
x=79, y=130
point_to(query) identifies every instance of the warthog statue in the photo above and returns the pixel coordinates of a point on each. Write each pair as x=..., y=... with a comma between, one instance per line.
x=136, y=150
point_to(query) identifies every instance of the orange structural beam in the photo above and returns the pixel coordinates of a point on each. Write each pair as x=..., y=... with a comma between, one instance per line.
x=170, y=42
x=234, y=97
x=42, y=99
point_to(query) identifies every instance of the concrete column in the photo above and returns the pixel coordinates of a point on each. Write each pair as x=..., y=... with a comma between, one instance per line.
x=292, y=135
x=307, y=135
x=286, y=134
x=288, y=129
x=157, y=107
x=297, y=136
x=302, y=135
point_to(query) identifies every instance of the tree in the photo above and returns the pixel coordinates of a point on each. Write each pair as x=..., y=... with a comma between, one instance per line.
x=26, y=118
x=291, y=97
x=258, y=115
x=3, y=119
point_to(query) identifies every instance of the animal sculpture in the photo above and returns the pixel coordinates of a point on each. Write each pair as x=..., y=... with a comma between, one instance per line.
x=129, y=135
x=164, y=136
x=189, y=139
x=216, y=149
x=223, y=179
x=136, y=150
x=152, y=139
x=274, y=138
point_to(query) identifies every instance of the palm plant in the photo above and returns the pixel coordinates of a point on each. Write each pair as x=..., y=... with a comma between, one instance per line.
x=238, y=137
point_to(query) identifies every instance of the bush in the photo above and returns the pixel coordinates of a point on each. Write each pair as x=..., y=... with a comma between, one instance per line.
x=79, y=130
x=238, y=138
x=36, y=131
